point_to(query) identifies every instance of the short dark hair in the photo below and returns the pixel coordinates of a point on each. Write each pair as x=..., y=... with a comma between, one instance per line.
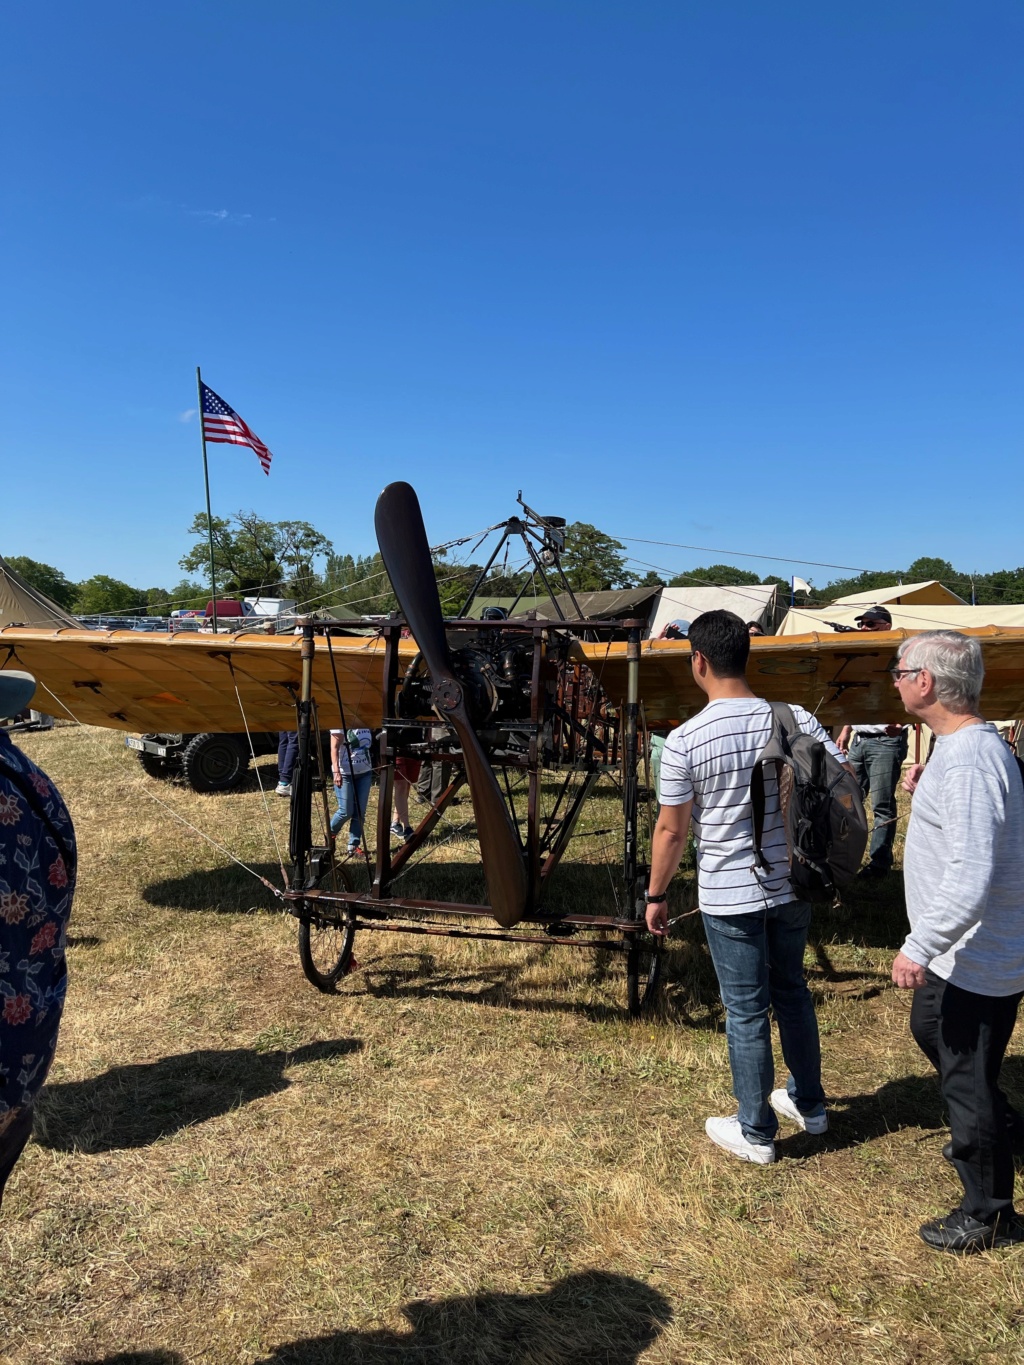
x=722, y=637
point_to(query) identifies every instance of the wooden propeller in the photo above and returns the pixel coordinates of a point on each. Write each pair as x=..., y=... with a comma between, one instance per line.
x=403, y=546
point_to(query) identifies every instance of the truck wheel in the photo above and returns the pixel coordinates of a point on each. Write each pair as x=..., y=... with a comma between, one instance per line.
x=154, y=766
x=214, y=763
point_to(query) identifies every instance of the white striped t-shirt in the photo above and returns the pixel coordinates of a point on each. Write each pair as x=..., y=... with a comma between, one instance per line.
x=709, y=760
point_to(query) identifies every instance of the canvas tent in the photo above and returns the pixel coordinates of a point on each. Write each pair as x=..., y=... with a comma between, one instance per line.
x=929, y=594
x=23, y=605
x=912, y=617
x=616, y=604
x=753, y=602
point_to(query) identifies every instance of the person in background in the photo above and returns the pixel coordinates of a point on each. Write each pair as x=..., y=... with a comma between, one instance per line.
x=964, y=956
x=38, y=862
x=407, y=771
x=287, y=752
x=674, y=630
x=876, y=754
x=352, y=769
x=753, y=629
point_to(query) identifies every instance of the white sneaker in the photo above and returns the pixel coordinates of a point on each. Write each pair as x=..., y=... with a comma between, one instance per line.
x=727, y=1133
x=786, y=1109
x=283, y=789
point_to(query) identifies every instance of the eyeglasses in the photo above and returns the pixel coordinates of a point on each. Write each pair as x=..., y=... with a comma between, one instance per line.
x=897, y=673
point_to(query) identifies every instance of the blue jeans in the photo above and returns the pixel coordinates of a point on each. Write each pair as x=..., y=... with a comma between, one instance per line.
x=287, y=753
x=876, y=761
x=352, y=797
x=759, y=961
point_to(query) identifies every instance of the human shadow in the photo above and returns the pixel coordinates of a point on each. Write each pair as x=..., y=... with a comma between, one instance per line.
x=135, y=1105
x=592, y=1318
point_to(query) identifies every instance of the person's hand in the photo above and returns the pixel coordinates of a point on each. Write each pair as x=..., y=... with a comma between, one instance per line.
x=657, y=918
x=911, y=777
x=908, y=975
x=337, y=777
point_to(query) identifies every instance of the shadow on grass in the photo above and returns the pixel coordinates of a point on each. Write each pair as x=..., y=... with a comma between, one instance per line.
x=220, y=890
x=910, y=1102
x=135, y=1105
x=594, y=1318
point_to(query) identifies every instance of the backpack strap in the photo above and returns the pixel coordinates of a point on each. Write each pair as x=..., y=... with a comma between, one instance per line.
x=775, y=751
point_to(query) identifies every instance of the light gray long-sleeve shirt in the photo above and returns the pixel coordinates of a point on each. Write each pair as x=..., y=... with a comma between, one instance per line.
x=964, y=864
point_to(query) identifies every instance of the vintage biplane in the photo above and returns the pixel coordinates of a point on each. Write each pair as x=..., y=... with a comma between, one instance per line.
x=532, y=714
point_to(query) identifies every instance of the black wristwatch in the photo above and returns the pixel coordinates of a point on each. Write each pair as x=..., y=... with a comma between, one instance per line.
x=655, y=900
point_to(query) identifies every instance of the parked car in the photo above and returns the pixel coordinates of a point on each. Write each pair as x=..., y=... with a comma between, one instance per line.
x=207, y=762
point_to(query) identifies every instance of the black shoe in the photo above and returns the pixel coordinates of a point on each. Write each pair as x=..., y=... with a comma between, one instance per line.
x=958, y=1231
x=947, y=1153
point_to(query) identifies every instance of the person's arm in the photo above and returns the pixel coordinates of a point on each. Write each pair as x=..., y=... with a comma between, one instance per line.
x=911, y=777
x=336, y=758
x=668, y=847
x=973, y=812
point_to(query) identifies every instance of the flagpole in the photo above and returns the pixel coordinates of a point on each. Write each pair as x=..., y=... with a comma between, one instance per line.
x=209, y=514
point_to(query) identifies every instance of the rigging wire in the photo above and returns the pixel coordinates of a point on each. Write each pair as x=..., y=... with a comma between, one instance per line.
x=278, y=893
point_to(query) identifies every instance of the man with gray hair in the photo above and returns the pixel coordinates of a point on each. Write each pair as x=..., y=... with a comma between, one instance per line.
x=964, y=956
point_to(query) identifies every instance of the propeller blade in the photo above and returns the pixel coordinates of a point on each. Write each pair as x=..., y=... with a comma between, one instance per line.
x=402, y=538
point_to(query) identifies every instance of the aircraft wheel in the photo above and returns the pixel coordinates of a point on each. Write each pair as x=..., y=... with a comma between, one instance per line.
x=325, y=950
x=643, y=972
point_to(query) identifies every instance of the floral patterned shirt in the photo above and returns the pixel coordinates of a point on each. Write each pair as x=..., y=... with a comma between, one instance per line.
x=36, y=889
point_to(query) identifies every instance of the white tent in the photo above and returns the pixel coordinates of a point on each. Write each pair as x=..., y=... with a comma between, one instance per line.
x=908, y=617
x=752, y=601
x=23, y=605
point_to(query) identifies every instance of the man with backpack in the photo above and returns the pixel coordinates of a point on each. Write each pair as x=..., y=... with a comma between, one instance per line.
x=756, y=925
x=964, y=956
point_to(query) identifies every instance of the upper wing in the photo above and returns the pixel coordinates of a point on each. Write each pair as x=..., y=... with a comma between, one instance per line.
x=192, y=683
x=839, y=678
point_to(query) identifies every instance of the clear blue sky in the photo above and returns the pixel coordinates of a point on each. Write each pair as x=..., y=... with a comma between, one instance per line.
x=729, y=274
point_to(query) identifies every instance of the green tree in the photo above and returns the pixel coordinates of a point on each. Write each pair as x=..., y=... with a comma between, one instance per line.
x=45, y=579
x=245, y=555
x=592, y=561
x=926, y=568
x=722, y=575
x=299, y=546
x=102, y=595
x=260, y=557
x=358, y=585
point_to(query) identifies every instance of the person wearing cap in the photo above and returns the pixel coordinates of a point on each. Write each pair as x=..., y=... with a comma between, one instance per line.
x=876, y=754
x=37, y=883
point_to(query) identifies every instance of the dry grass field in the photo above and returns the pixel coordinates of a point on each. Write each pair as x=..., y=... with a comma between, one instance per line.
x=469, y=1154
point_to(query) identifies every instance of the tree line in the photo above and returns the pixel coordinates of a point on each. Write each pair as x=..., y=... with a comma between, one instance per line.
x=292, y=559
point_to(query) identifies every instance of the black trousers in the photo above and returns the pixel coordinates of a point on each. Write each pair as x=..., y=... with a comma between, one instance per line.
x=12, y=1143
x=964, y=1036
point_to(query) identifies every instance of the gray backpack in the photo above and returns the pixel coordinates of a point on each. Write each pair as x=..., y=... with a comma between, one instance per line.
x=822, y=810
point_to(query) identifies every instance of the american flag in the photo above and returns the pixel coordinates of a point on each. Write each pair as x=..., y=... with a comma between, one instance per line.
x=222, y=423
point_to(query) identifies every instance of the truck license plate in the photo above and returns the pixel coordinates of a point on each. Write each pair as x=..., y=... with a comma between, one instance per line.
x=134, y=743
